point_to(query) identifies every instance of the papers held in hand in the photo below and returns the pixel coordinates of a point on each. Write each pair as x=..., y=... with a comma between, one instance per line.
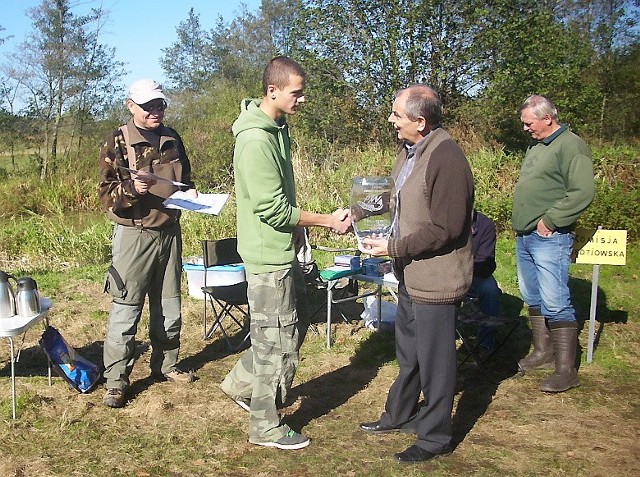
x=204, y=203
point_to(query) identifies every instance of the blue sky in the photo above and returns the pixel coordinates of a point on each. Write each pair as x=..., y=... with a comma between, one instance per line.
x=138, y=29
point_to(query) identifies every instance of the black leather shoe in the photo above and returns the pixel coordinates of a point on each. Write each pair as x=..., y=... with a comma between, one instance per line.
x=377, y=428
x=417, y=454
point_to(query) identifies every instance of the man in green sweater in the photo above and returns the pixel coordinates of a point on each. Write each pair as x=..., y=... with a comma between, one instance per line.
x=270, y=228
x=555, y=187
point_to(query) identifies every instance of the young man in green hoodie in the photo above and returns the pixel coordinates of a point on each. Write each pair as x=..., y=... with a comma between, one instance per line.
x=270, y=227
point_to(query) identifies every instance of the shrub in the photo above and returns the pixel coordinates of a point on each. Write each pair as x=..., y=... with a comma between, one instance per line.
x=40, y=219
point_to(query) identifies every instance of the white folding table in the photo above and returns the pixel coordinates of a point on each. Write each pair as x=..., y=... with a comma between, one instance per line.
x=15, y=326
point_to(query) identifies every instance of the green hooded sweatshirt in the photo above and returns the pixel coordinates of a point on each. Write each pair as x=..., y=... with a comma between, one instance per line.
x=265, y=190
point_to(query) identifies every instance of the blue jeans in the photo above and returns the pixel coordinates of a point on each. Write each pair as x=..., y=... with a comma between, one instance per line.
x=543, y=273
x=488, y=293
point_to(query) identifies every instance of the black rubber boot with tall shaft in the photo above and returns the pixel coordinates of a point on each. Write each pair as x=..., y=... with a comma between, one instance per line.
x=565, y=341
x=542, y=354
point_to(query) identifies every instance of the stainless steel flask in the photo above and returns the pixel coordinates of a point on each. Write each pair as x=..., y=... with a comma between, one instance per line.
x=27, y=297
x=7, y=297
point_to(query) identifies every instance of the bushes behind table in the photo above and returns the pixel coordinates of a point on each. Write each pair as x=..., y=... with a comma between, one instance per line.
x=59, y=220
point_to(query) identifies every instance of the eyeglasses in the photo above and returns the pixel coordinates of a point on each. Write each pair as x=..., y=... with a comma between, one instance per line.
x=151, y=106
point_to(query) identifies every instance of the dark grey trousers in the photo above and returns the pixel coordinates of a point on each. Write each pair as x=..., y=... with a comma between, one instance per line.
x=426, y=353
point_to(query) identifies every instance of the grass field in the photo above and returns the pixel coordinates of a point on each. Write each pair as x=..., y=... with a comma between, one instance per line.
x=507, y=427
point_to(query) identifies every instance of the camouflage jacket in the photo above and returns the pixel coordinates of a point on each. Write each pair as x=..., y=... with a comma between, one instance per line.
x=116, y=190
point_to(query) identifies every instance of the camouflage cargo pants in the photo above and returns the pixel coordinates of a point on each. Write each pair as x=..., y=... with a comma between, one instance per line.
x=265, y=372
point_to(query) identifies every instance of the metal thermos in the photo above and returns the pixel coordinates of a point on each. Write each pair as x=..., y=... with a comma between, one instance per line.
x=7, y=297
x=27, y=297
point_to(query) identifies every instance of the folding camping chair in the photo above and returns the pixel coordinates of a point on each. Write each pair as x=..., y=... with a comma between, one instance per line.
x=316, y=285
x=470, y=315
x=224, y=299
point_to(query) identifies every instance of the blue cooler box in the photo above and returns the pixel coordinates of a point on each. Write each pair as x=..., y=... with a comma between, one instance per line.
x=222, y=275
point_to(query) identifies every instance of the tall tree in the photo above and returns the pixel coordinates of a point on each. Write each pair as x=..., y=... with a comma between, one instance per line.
x=245, y=45
x=95, y=78
x=611, y=27
x=381, y=46
x=280, y=16
x=62, y=67
x=235, y=51
x=191, y=60
x=9, y=122
x=527, y=50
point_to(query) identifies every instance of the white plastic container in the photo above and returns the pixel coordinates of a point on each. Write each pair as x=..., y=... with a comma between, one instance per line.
x=222, y=275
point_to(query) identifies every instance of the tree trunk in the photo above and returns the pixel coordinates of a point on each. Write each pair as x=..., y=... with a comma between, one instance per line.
x=603, y=108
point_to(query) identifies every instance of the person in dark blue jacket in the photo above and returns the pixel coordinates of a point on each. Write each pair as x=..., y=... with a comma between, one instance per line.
x=484, y=287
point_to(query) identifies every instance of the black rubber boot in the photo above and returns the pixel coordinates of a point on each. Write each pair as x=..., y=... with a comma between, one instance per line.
x=542, y=354
x=565, y=341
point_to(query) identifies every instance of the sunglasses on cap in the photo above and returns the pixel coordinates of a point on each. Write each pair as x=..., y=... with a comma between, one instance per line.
x=154, y=105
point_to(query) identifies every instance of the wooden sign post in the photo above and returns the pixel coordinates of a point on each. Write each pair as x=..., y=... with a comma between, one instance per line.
x=599, y=247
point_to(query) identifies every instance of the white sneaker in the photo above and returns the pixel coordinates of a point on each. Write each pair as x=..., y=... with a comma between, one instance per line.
x=243, y=403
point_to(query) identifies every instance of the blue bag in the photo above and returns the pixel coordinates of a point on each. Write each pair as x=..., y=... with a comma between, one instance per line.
x=81, y=374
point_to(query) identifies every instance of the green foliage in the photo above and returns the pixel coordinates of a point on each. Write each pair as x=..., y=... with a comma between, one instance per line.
x=52, y=242
x=617, y=202
x=71, y=192
x=616, y=205
x=188, y=63
x=324, y=170
x=521, y=64
x=620, y=117
x=495, y=174
x=231, y=51
x=331, y=111
x=18, y=197
x=48, y=220
x=614, y=208
x=198, y=227
x=366, y=45
x=204, y=122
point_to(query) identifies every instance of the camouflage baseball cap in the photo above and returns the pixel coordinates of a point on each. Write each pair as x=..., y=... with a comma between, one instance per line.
x=145, y=90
